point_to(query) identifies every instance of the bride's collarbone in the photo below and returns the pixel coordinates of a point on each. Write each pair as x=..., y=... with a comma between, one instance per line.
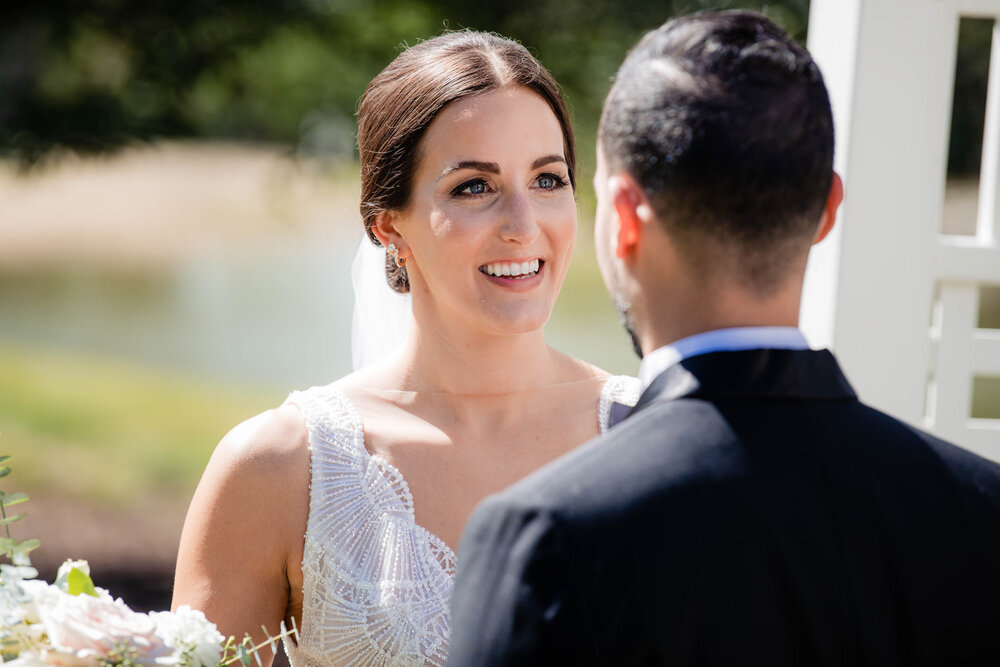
x=490, y=409
x=450, y=464
x=493, y=426
x=450, y=471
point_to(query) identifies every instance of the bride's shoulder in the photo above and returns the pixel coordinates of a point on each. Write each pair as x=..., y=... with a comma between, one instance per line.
x=252, y=476
x=274, y=443
x=602, y=381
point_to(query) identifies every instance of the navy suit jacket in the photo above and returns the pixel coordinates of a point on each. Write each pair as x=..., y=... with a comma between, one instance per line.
x=750, y=510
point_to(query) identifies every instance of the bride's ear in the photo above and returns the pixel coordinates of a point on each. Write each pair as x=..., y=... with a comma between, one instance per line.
x=386, y=230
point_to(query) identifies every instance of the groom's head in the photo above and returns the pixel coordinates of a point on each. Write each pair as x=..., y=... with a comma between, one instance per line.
x=715, y=162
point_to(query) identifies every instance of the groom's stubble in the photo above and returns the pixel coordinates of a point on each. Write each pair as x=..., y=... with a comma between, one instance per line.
x=624, y=308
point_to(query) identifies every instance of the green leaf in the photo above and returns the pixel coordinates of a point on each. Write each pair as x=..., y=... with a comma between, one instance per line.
x=30, y=544
x=13, y=498
x=11, y=519
x=4, y=472
x=7, y=544
x=5, y=458
x=79, y=582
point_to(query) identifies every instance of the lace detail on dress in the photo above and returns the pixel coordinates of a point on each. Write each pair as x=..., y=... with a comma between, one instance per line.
x=376, y=585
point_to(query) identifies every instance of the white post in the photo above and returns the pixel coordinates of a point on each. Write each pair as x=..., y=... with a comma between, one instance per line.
x=889, y=66
x=988, y=223
x=959, y=305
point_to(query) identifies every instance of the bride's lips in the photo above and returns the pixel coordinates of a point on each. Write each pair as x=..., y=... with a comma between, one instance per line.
x=514, y=273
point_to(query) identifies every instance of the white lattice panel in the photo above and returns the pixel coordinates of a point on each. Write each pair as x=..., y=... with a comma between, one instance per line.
x=872, y=286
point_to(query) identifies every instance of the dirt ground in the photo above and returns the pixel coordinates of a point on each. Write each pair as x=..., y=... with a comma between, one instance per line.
x=131, y=549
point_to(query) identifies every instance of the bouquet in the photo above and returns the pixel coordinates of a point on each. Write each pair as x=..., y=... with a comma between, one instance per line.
x=72, y=623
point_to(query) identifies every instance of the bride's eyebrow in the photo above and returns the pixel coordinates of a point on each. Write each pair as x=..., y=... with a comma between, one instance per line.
x=548, y=159
x=493, y=167
x=489, y=167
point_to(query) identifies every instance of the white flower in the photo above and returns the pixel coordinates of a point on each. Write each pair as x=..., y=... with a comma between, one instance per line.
x=72, y=623
x=195, y=640
x=27, y=659
x=20, y=627
x=83, y=629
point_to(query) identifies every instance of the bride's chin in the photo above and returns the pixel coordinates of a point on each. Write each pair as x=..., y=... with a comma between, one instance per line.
x=519, y=323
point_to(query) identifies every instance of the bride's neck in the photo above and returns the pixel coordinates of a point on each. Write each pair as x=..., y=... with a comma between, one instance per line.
x=464, y=363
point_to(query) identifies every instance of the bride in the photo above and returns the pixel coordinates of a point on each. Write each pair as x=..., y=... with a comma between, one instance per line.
x=342, y=509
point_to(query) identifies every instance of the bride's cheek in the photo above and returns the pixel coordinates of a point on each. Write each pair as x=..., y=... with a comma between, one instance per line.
x=565, y=231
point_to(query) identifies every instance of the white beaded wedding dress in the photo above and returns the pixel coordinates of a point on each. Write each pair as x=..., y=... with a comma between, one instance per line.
x=376, y=585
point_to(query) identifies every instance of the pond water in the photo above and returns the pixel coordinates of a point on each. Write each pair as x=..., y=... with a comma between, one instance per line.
x=280, y=318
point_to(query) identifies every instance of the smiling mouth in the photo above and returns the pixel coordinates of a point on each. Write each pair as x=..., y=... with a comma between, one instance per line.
x=513, y=270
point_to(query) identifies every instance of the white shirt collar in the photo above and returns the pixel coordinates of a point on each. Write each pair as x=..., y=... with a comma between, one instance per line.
x=719, y=340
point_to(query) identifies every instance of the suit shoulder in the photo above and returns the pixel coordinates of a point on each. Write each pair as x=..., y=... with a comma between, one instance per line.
x=655, y=457
x=966, y=467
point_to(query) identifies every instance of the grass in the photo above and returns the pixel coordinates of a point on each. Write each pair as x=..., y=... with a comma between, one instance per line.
x=107, y=430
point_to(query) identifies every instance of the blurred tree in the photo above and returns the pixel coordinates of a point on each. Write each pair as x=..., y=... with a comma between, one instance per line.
x=93, y=75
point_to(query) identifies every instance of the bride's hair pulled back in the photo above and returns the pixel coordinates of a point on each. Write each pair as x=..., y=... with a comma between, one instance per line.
x=400, y=103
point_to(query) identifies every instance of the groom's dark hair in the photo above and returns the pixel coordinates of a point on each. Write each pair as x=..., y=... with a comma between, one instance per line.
x=724, y=121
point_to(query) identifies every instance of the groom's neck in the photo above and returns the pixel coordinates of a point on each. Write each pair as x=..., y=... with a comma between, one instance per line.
x=666, y=316
x=679, y=290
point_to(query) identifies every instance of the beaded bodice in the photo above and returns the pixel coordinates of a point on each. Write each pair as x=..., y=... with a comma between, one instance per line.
x=376, y=585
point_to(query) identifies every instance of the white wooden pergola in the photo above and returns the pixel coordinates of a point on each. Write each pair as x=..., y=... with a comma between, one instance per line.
x=894, y=298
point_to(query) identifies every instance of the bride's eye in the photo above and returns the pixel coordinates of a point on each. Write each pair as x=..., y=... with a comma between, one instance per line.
x=550, y=182
x=473, y=188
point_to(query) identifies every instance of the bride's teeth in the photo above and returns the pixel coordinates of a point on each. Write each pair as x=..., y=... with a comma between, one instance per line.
x=515, y=269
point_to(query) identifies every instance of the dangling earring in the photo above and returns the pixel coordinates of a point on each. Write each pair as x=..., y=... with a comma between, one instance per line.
x=394, y=251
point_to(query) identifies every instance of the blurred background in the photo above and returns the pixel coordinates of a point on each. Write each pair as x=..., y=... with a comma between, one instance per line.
x=178, y=214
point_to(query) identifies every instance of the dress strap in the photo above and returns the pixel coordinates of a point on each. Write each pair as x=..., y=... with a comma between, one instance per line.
x=621, y=389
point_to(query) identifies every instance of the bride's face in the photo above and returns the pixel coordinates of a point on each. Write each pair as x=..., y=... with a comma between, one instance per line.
x=490, y=226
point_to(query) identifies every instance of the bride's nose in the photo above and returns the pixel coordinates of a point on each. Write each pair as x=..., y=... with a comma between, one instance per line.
x=519, y=223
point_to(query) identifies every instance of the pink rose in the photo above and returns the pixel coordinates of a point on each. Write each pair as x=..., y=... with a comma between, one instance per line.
x=83, y=629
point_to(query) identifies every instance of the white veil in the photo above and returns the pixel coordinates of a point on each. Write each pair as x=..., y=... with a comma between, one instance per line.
x=381, y=316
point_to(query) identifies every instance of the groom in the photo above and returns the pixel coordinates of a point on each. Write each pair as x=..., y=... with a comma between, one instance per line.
x=750, y=510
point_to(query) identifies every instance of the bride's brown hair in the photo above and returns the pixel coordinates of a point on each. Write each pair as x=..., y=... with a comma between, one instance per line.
x=400, y=103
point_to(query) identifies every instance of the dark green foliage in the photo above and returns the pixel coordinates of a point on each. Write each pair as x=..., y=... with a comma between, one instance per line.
x=92, y=75
x=968, y=111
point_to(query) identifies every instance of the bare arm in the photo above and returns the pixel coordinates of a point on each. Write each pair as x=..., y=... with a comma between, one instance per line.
x=241, y=549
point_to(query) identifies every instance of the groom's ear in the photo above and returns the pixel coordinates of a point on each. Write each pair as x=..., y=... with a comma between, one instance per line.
x=633, y=212
x=833, y=201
